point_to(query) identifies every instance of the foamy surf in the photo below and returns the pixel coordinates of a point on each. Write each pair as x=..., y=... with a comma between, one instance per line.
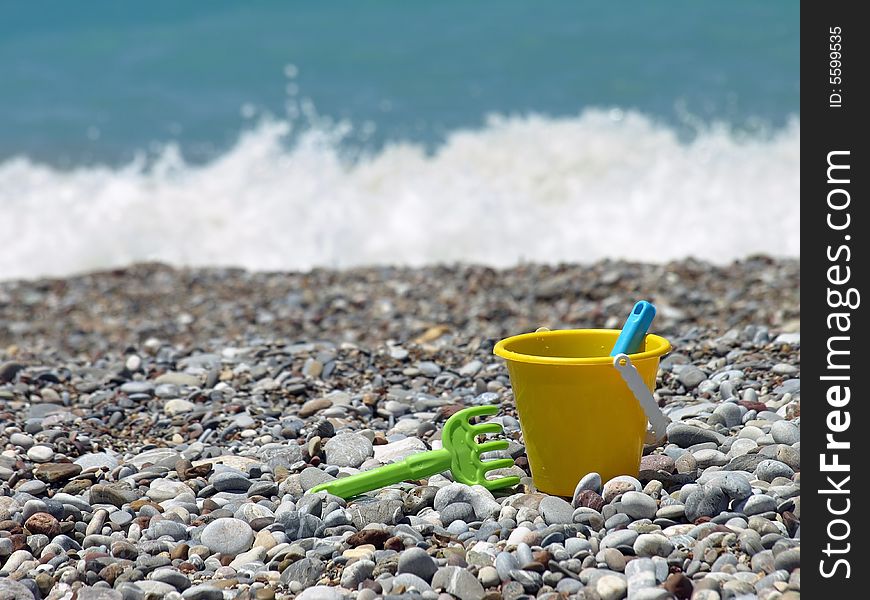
x=529, y=188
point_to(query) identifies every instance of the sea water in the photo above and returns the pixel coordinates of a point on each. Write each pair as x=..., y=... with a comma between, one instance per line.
x=281, y=135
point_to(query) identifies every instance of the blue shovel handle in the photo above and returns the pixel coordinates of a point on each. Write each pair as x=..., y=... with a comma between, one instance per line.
x=635, y=329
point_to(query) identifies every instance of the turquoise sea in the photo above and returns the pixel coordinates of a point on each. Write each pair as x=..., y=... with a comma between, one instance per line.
x=295, y=134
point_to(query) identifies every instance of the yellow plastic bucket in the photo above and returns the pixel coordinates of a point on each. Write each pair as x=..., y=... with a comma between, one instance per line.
x=576, y=412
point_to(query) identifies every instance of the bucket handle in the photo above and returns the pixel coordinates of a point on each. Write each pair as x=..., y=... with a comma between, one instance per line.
x=641, y=392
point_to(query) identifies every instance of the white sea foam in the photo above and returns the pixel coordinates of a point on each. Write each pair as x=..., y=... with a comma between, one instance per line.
x=528, y=188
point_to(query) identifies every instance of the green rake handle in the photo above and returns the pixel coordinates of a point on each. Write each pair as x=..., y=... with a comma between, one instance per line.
x=416, y=466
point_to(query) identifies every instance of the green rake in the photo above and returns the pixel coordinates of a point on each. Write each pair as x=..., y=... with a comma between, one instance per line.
x=460, y=454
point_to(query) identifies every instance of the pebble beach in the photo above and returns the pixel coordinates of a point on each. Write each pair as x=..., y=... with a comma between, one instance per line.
x=160, y=429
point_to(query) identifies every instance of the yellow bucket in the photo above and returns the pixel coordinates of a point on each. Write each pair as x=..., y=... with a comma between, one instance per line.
x=577, y=413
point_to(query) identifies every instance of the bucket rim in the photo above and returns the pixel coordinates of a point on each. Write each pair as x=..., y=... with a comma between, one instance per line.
x=500, y=349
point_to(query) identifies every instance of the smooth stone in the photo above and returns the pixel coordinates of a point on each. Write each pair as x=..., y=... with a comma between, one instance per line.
x=306, y=572
x=708, y=501
x=155, y=456
x=710, y=457
x=97, y=460
x=611, y=587
x=459, y=582
x=657, y=462
x=686, y=463
x=730, y=414
x=173, y=577
x=505, y=562
x=203, y=591
x=652, y=544
x=312, y=407
x=457, y=511
x=180, y=379
x=620, y=485
x=298, y=525
x=312, y=476
x=348, y=450
x=400, y=450
x=488, y=577
x=230, y=481
x=555, y=510
x=178, y=406
x=320, y=592
x=409, y=581
x=758, y=504
x=151, y=588
x=620, y=537
x=161, y=490
x=354, y=574
x=97, y=593
x=114, y=494
x=590, y=481
x=785, y=432
x=638, y=505
x=177, y=531
x=741, y=447
x=735, y=485
x=40, y=453
x=788, y=560
x=768, y=470
x=228, y=536
x=479, y=497
x=53, y=472
x=684, y=435
x=417, y=562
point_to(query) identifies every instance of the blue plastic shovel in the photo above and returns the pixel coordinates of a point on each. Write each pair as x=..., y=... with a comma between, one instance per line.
x=635, y=329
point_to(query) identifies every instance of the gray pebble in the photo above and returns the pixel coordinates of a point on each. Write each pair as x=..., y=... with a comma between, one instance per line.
x=348, y=450
x=638, y=505
x=417, y=562
x=228, y=536
x=555, y=510
x=785, y=432
x=768, y=470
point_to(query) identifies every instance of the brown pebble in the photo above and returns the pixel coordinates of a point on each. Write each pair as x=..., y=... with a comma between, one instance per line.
x=142, y=522
x=182, y=466
x=757, y=406
x=312, y=407
x=591, y=499
x=374, y=586
x=266, y=593
x=19, y=542
x=187, y=568
x=137, y=504
x=314, y=446
x=43, y=523
x=52, y=472
x=179, y=552
x=375, y=537
x=679, y=585
x=10, y=526
x=76, y=487
x=111, y=572
x=394, y=543
x=445, y=412
x=44, y=582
